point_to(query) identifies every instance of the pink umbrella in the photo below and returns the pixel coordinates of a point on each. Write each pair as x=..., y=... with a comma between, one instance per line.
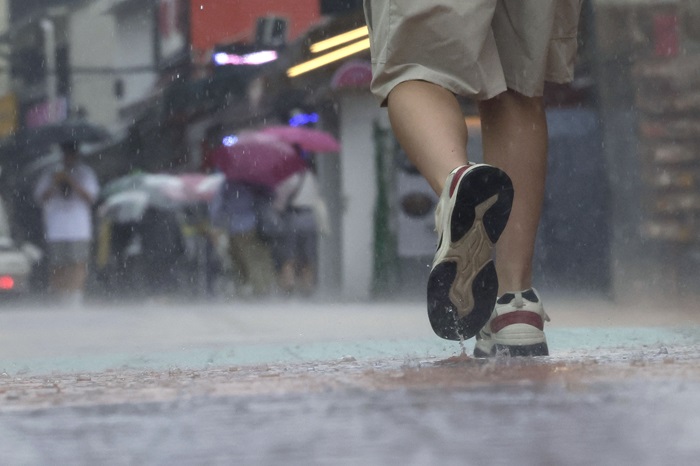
x=309, y=139
x=353, y=74
x=257, y=158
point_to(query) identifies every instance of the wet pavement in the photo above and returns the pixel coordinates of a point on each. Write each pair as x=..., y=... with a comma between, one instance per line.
x=351, y=383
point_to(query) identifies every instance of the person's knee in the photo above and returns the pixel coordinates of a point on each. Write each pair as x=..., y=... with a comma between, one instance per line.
x=510, y=107
x=410, y=90
x=511, y=98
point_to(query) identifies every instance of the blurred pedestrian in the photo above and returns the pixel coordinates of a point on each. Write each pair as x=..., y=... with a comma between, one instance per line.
x=425, y=53
x=234, y=213
x=66, y=194
x=210, y=142
x=305, y=218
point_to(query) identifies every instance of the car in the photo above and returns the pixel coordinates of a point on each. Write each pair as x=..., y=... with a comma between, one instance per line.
x=16, y=261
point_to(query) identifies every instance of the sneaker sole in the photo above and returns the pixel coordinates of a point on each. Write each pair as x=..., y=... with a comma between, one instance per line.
x=494, y=349
x=538, y=349
x=462, y=287
x=515, y=340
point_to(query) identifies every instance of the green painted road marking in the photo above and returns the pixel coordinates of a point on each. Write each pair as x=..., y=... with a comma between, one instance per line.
x=561, y=340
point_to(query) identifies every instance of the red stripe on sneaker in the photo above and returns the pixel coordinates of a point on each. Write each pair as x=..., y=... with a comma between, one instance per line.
x=456, y=178
x=517, y=317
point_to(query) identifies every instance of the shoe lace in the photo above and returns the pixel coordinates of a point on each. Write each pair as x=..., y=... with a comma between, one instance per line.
x=518, y=301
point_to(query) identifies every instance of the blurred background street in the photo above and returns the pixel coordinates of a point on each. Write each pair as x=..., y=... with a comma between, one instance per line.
x=193, y=331
x=161, y=95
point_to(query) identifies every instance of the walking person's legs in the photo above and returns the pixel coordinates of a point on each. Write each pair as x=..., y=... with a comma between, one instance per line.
x=258, y=260
x=68, y=271
x=429, y=124
x=497, y=52
x=474, y=205
x=514, y=138
x=67, y=283
x=306, y=251
x=240, y=271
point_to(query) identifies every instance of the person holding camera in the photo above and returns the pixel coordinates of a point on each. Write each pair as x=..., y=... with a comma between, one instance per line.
x=66, y=195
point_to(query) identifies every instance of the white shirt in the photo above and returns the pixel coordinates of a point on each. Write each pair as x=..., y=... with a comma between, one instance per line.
x=301, y=190
x=68, y=218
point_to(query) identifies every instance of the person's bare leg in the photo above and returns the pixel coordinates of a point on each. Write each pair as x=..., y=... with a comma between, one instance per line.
x=57, y=279
x=514, y=132
x=286, y=276
x=67, y=283
x=429, y=124
x=308, y=279
x=76, y=276
x=462, y=285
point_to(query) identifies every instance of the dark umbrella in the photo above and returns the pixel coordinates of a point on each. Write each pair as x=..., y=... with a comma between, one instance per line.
x=58, y=133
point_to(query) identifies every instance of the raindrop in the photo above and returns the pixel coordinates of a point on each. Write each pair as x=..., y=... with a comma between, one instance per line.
x=461, y=345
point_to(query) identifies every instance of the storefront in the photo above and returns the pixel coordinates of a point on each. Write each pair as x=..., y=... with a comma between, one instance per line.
x=647, y=67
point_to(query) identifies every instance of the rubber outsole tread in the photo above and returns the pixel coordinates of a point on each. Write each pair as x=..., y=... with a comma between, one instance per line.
x=478, y=187
x=538, y=349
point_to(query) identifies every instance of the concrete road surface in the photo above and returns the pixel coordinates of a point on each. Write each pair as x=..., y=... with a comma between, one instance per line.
x=342, y=383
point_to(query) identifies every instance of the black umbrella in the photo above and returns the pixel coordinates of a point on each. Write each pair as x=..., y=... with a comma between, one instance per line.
x=58, y=133
x=25, y=145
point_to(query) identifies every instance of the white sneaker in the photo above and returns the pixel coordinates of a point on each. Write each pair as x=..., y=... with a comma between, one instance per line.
x=470, y=217
x=516, y=327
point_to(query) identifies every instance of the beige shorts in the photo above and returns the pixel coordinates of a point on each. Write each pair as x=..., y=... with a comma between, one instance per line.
x=474, y=48
x=63, y=253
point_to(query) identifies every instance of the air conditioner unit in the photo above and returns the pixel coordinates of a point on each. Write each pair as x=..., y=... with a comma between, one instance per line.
x=271, y=32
